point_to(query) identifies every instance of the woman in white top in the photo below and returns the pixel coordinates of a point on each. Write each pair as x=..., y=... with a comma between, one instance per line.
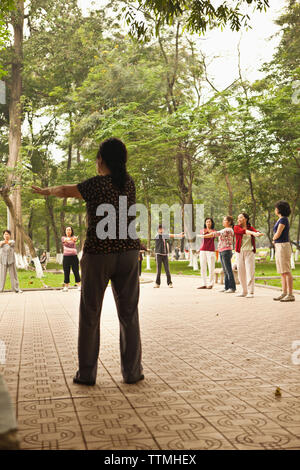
x=7, y=261
x=245, y=236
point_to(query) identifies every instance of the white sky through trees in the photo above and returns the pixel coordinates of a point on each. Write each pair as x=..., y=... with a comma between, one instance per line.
x=256, y=46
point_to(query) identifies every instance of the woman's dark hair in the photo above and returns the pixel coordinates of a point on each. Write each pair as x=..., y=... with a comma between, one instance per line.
x=212, y=222
x=230, y=220
x=114, y=154
x=6, y=231
x=247, y=218
x=283, y=208
x=72, y=233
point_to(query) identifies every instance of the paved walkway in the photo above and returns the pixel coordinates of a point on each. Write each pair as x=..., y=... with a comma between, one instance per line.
x=212, y=363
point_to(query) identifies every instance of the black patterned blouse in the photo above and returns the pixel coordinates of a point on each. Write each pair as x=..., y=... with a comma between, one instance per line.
x=100, y=190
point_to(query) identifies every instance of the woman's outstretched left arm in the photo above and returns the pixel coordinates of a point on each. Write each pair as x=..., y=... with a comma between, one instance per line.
x=70, y=190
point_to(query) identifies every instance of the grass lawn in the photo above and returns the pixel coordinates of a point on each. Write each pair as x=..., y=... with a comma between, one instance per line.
x=28, y=279
x=267, y=268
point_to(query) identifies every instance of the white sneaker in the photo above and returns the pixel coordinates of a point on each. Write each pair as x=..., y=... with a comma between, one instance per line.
x=19, y=291
x=229, y=291
x=171, y=285
x=249, y=296
x=241, y=295
x=65, y=289
x=222, y=290
x=156, y=286
x=79, y=288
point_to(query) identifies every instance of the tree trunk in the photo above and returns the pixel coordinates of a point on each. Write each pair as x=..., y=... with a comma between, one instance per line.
x=27, y=239
x=81, y=230
x=30, y=223
x=57, y=238
x=62, y=217
x=183, y=190
x=149, y=227
x=294, y=206
x=230, y=193
x=269, y=232
x=149, y=237
x=15, y=119
x=182, y=241
x=47, y=238
x=80, y=217
x=17, y=235
x=69, y=164
x=253, y=199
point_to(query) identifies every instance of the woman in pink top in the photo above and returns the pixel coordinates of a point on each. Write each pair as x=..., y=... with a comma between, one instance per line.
x=225, y=248
x=207, y=255
x=70, y=259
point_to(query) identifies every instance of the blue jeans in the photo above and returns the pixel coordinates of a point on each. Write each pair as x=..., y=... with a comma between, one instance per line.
x=225, y=257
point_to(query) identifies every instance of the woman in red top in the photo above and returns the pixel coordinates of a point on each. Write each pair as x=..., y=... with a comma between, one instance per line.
x=207, y=255
x=245, y=247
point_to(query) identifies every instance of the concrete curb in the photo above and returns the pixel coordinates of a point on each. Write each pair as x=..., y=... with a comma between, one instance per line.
x=46, y=289
x=275, y=288
x=197, y=277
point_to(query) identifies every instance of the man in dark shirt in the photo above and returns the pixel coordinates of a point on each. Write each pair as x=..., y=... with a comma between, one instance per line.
x=162, y=249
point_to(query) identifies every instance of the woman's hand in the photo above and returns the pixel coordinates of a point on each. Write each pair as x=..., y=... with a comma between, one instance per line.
x=41, y=191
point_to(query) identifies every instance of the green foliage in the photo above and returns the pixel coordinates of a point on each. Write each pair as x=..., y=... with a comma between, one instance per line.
x=85, y=80
x=6, y=7
x=200, y=14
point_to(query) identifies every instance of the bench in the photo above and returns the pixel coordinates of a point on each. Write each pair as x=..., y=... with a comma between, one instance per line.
x=261, y=256
x=220, y=273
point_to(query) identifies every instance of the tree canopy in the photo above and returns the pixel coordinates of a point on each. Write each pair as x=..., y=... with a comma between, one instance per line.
x=85, y=79
x=199, y=15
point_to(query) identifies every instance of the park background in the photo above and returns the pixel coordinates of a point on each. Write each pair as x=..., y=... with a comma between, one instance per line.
x=202, y=126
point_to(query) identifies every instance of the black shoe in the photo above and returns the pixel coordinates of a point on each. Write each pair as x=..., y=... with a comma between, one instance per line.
x=134, y=381
x=76, y=380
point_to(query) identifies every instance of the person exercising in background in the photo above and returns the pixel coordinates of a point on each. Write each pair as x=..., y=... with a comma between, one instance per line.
x=70, y=259
x=8, y=261
x=162, y=250
x=143, y=250
x=43, y=260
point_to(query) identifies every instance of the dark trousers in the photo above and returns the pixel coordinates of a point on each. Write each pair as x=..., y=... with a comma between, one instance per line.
x=140, y=267
x=225, y=257
x=68, y=263
x=165, y=260
x=96, y=270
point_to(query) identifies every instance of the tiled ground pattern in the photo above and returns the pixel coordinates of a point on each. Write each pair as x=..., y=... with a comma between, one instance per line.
x=212, y=363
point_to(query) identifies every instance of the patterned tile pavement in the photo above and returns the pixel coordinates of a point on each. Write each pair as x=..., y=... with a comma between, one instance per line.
x=212, y=363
